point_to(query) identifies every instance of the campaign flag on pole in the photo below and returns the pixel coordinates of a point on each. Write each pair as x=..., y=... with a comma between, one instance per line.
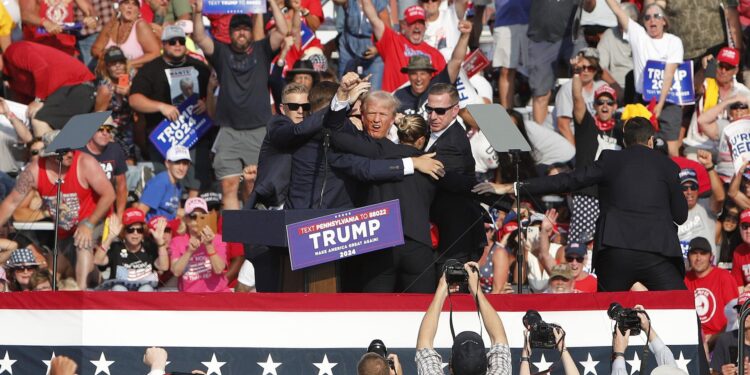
x=185, y=131
x=294, y=333
x=682, y=91
x=233, y=6
x=344, y=234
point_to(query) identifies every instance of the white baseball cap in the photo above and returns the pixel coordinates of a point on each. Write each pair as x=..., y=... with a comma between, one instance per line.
x=178, y=153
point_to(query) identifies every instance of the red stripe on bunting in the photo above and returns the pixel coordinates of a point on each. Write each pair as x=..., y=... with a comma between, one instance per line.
x=292, y=302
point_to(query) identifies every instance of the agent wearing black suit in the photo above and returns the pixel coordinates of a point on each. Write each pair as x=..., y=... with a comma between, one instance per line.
x=458, y=217
x=641, y=204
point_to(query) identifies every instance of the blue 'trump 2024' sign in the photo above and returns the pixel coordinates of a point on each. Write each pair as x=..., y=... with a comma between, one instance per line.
x=682, y=91
x=185, y=131
x=344, y=234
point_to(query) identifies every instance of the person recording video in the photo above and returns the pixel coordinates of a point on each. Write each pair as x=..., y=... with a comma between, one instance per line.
x=567, y=360
x=468, y=355
x=662, y=353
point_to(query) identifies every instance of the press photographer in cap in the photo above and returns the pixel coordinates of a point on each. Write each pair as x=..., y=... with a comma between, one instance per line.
x=468, y=356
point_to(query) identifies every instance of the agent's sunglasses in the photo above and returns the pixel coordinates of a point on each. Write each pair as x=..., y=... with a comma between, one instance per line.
x=439, y=111
x=296, y=106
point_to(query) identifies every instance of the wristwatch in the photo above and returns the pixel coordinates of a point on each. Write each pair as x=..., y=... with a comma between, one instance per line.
x=87, y=223
x=305, y=12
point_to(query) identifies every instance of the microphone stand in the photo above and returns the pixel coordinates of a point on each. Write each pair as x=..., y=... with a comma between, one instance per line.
x=59, y=154
x=515, y=159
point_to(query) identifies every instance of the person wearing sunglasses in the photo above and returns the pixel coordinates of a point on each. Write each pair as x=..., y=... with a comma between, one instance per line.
x=586, y=67
x=199, y=257
x=700, y=222
x=21, y=265
x=133, y=261
x=152, y=94
x=594, y=133
x=112, y=159
x=725, y=131
x=650, y=41
x=577, y=257
x=421, y=71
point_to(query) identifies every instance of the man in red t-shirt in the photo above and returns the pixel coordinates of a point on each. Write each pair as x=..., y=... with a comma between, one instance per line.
x=576, y=256
x=713, y=287
x=58, y=85
x=396, y=49
x=741, y=256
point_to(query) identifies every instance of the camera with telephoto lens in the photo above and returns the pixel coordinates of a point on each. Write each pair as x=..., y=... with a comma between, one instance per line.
x=455, y=273
x=541, y=334
x=378, y=347
x=626, y=318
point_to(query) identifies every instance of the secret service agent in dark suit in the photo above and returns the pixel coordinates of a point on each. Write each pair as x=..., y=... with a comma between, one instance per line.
x=458, y=217
x=641, y=204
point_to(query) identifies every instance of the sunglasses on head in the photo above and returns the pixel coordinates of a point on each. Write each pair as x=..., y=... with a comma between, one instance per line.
x=296, y=106
x=605, y=102
x=132, y=230
x=176, y=41
x=573, y=258
x=587, y=68
x=691, y=186
x=439, y=111
x=656, y=16
x=738, y=105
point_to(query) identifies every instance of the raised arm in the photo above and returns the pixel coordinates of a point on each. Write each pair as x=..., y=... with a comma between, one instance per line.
x=492, y=322
x=279, y=32
x=579, y=104
x=622, y=17
x=205, y=42
x=707, y=120
x=26, y=182
x=459, y=53
x=742, y=200
x=717, y=186
x=428, y=328
x=378, y=27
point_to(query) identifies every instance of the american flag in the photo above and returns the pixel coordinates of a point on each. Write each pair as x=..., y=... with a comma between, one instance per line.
x=279, y=334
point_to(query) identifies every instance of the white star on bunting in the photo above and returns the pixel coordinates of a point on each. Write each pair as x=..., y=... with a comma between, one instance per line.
x=6, y=364
x=47, y=363
x=214, y=367
x=682, y=362
x=589, y=366
x=102, y=365
x=543, y=365
x=635, y=364
x=325, y=367
x=269, y=366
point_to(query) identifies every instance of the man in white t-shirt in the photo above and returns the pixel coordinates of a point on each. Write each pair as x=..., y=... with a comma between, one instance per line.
x=700, y=223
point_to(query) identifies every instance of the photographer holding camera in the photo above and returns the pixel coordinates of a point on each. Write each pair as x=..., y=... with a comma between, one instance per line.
x=467, y=353
x=567, y=360
x=662, y=353
x=377, y=361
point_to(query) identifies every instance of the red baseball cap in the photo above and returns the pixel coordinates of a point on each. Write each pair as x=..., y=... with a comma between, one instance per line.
x=745, y=216
x=172, y=225
x=606, y=90
x=132, y=216
x=729, y=55
x=413, y=14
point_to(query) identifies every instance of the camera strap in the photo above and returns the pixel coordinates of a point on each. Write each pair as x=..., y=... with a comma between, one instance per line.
x=476, y=303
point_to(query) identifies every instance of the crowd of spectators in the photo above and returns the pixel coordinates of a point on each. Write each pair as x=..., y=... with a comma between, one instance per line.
x=356, y=106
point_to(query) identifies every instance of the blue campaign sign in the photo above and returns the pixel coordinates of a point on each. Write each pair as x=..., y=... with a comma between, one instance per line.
x=344, y=234
x=233, y=6
x=682, y=91
x=185, y=131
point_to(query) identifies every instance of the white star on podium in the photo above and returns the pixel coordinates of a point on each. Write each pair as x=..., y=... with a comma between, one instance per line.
x=102, y=365
x=543, y=365
x=6, y=364
x=589, y=365
x=682, y=362
x=214, y=367
x=635, y=363
x=47, y=363
x=325, y=367
x=269, y=366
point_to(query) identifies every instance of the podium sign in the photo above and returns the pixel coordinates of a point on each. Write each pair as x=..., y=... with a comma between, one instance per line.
x=344, y=234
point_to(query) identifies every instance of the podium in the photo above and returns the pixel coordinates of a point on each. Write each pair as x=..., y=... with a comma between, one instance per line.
x=268, y=227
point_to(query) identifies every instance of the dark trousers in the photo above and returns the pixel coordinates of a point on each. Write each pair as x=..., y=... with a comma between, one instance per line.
x=618, y=269
x=267, y=262
x=407, y=268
